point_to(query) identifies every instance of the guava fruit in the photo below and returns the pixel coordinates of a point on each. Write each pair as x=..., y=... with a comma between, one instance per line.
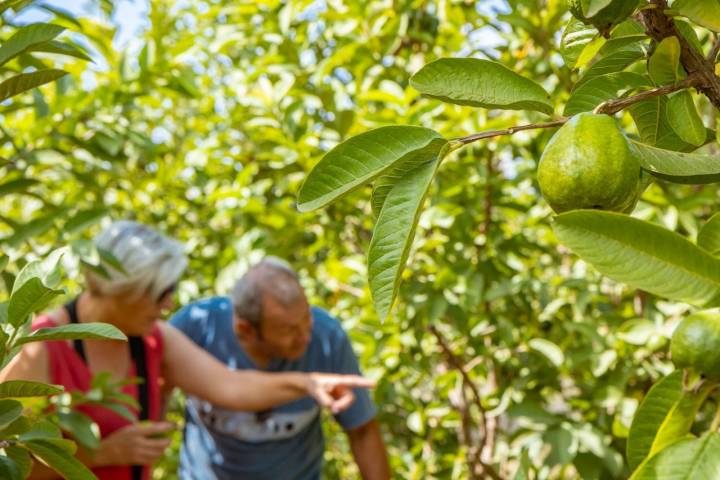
x=695, y=344
x=615, y=12
x=588, y=164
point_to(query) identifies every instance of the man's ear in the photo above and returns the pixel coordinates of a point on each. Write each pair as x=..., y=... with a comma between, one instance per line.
x=243, y=328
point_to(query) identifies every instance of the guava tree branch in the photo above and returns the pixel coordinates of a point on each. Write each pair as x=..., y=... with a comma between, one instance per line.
x=611, y=107
x=659, y=26
x=457, y=364
x=712, y=56
x=507, y=131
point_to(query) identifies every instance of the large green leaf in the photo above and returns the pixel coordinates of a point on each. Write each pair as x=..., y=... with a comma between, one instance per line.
x=26, y=388
x=575, y=37
x=702, y=12
x=31, y=297
x=27, y=81
x=664, y=65
x=650, y=116
x=61, y=48
x=17, y=185
x=480, y=83
x=394, y=233
x=665, y=416
x=691, y=459
x=676, y=166
x=55, y=455
x=605, y=87
x=74, y=330
x=385, y=183
x=84, y=218
x=361, y=159
x=684, y=118
x=709, y=235
x=10, y=410
x=26, y=37
x=641, y=254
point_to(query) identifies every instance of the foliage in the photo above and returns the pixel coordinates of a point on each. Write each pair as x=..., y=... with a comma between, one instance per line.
x=536, y=363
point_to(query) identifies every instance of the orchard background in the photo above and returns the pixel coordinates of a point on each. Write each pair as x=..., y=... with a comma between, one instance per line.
x=505, y=354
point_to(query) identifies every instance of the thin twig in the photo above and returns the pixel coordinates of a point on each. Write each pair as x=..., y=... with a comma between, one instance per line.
x=712, y=56
x=611, y=107
x=508, y=131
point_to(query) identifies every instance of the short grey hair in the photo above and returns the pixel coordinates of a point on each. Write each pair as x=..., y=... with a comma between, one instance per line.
x=152, y=261
x=271, y=276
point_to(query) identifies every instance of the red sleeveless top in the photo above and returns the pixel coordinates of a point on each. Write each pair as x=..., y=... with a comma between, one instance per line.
x=68, y=369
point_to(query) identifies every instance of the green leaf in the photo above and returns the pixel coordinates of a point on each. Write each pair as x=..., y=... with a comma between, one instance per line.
x=33, y=228
x=43, y=430
x=641, y=254
x=9, y=470
x=394, y=233
x=56, y=456
x=19, y=426
x=650, y=116
x=26, y=388
x=592, y=7
x=17, y=185
x=10, y=410
x=613, y=63
x=121, y=410
x=81, y=427
x=702, y=12
x=605, y=87
x=677, y=167
x=73, y=331
x=359, y=160
x=665, y=415
x=590, y=51
x=576, y=36
x=664, y=65
x=27, y=81
x=84, y=218
x=31, y=297
x=549, y=350
x=385, y=183
x=48, y=270
x=684, y=119
x=709, y=235
x=480, y=83
x=22, y=459
x=692, y=459
x=27, y=36
x=61, y=48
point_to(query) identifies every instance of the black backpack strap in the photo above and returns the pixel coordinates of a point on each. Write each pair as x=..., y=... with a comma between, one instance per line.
x=137, y=352
x=71, y=308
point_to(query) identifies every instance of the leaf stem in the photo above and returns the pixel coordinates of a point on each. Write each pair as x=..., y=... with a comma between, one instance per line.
x=716, y=421
x=507, y=131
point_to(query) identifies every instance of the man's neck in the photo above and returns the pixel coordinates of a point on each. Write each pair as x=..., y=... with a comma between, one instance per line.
x=259, y=357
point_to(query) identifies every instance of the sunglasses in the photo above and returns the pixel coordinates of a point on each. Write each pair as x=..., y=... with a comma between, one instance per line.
x=167, y=292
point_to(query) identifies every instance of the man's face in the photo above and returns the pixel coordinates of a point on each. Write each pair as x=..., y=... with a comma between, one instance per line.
x=285, y=330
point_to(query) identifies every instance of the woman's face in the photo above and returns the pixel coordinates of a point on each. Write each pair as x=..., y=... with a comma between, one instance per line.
x=137, y=316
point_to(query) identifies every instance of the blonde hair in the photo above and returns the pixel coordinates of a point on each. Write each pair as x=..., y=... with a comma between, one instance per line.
x=151, y=261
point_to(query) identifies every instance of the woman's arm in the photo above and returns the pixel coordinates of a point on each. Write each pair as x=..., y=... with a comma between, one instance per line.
x=30, y=364
x=198, y=373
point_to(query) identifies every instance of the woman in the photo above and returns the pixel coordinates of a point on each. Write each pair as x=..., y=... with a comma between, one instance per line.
x=133, y=300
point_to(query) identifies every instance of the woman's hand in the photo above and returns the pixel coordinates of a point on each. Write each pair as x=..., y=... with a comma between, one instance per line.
x=133, y=445
x=335, y=391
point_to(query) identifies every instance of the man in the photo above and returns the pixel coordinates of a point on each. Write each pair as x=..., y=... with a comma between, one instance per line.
x=267, y=324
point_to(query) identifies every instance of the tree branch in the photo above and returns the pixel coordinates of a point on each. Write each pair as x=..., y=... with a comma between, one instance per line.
x=611, y=107
x=659, y=26
x=712, y=56
x=457, y=364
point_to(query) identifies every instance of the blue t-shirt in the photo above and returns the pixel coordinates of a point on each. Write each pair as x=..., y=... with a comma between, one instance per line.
x=283, y=443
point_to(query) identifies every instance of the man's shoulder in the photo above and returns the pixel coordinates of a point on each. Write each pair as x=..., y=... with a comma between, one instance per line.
x=203, y=310
x=324, y=324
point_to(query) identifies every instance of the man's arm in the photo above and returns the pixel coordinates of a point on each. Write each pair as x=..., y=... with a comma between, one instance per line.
x=369, y=451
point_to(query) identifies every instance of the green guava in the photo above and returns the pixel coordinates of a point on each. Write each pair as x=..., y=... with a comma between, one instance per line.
x=695, y=344
x=588, y=164
x=615, y=12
